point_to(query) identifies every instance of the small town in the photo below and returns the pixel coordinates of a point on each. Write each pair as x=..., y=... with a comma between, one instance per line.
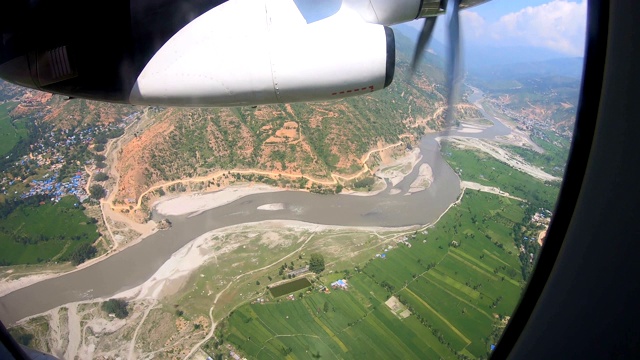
x=58, y=164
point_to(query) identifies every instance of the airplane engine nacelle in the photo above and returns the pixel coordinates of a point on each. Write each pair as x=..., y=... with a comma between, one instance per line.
x=253, y=52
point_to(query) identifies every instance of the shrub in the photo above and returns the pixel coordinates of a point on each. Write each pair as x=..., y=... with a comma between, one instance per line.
x=101, y=177
x=82, y=253
x=118, y=307
x=97, y=191
x=316, y=263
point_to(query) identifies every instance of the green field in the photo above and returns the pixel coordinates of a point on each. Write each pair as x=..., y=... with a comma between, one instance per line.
x=554, y=158
x=456, y=295
x=484, y=169
x=289, y=287
x=10, y=131
x=49, y=232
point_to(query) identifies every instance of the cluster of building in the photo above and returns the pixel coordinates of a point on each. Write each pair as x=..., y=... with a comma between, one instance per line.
x=45, y=154
x=386, y=249
x=299, y=271
x=340, y=284
x=525, y=120
x=405, y=240
x=235, y=356
x=542, y=217
x=45, y=151
x=56, y=190
x=401, y=240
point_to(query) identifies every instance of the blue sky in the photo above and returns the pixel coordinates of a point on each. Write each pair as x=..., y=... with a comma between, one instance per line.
x=555, y=25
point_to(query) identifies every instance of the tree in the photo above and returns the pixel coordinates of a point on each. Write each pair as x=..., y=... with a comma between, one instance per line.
x=101, y=177
x=100, y=139
x=97, y=191
x=24, y=338
x=118, y=307
x=316, y=263
x=83, y=252
x=326, y=306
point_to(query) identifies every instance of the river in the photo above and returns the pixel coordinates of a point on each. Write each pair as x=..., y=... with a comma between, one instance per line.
x=136, y=264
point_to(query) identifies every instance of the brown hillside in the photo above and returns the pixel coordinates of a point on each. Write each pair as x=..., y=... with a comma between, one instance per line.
x=315, y=139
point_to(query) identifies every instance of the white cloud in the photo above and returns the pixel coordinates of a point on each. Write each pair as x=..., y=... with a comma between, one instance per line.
x=473, y=24
x=558, y=25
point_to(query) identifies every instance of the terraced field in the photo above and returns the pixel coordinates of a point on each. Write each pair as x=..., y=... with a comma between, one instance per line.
x=482, y=168
x=459, y=281
x=48, y=232
x=10, y=131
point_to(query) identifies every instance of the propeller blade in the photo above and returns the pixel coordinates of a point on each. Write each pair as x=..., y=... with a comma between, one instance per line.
x=423, y=40
x=453, y=70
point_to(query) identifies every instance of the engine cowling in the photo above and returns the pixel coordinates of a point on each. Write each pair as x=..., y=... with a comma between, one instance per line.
x=248, y=52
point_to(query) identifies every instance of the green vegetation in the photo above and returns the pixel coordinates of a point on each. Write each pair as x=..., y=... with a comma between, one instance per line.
x=316, y=263
x=42, y=232
x=556, y=152
x=289, y=287
x=11, y=131
x=97, y=191
x=24, y=339
x=482, y=168
x=82, y=253
x=459, y=281
x=118, y=307
x=33, y=333
x=366, y=183
x=236, y=138
x=101, y=177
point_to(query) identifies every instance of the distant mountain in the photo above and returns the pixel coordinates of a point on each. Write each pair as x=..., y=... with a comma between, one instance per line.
x=482, y=57
x=404, y=30
x=541, y=94
x=540, y=76
x=563, y=67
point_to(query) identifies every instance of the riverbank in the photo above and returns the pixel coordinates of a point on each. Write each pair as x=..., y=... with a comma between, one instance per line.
x=182, y=264
x=335, y=179
x=500, y=154
x=194, y=204
x=172, y=205
x=516, y=136
x=423, y=181
x=398, y=169
x=9, y=285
